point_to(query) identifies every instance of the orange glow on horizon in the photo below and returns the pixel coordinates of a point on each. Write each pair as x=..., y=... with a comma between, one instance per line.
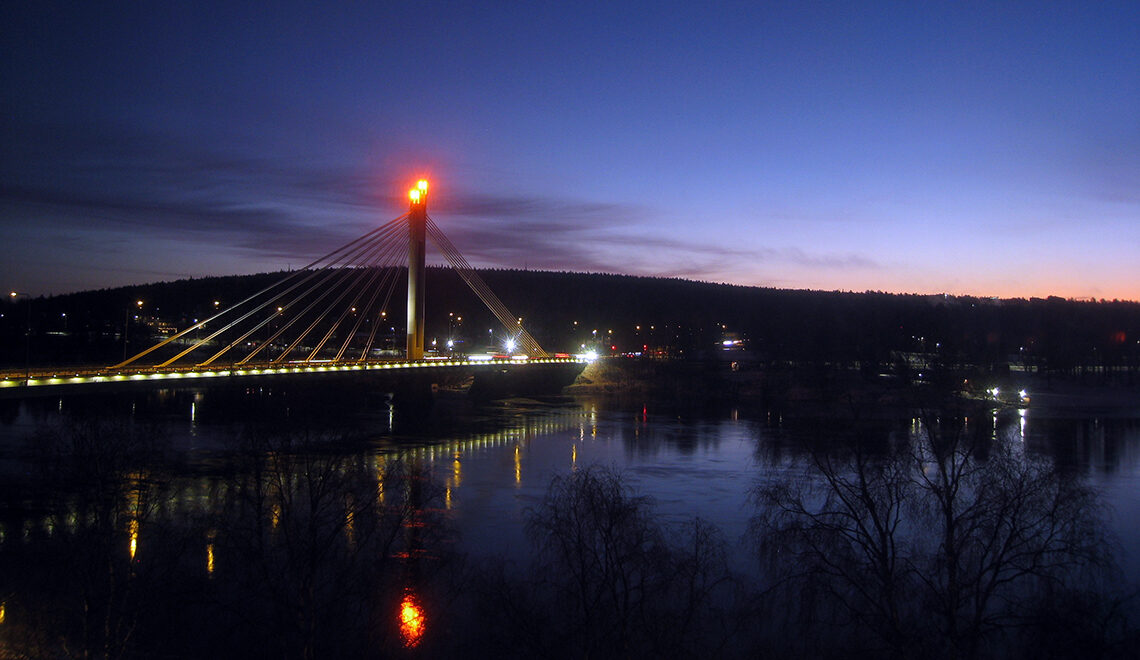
x=411, y=620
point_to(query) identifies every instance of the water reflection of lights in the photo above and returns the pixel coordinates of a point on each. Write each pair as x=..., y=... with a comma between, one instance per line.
x=380, y=466
x=1021, y=422
x=134, y=508
x=350, y=523
x=412, y=624
x=196, y=496
x=133, y=530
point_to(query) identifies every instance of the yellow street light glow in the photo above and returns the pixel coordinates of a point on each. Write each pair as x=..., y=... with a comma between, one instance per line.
x=414, y=194
x=422, y=185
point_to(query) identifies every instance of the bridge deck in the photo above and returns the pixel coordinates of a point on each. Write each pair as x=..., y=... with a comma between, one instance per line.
x=46, y=379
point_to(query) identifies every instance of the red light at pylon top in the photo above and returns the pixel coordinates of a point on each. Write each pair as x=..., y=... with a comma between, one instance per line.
x=419, y=193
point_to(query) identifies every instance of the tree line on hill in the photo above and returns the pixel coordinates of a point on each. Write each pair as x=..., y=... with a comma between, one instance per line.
x=567, y=312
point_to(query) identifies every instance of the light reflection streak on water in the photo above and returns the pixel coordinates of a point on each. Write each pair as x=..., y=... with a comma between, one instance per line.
x=1021, y=423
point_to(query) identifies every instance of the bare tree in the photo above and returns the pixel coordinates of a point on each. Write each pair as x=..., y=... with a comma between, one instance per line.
x=942, y=545
x=609, y=580
x=835, y=540
x=103, y=566
x=602, y=556
x=1008, y=526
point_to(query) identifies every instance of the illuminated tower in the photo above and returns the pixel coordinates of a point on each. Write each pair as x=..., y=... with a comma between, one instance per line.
x=417, y=226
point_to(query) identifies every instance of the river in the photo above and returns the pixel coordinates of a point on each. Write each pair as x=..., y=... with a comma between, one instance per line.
x=484, y=469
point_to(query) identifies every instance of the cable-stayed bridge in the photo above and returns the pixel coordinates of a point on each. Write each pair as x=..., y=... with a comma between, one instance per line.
x=328, y=317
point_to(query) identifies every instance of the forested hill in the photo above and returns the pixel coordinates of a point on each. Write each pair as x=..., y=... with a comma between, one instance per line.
x=562, y=310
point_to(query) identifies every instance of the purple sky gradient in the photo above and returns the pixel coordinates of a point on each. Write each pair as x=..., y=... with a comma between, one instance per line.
x=912, y=147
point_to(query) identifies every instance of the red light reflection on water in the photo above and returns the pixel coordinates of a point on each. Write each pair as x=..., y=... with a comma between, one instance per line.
x=411, y=620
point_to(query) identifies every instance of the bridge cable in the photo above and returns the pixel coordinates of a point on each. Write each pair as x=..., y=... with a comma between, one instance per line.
x=489, y=299
x=384, y=273
x=379, y=252
x=383, y=306
x=364, y=284
x=297, y=273
x=484, y=292
x=476, y=283
x=333, y=277
x=273, y=300
x=324, y=272
x=327, y=272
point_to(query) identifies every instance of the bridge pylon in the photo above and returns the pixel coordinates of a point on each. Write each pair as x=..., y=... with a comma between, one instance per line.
x=417, y=226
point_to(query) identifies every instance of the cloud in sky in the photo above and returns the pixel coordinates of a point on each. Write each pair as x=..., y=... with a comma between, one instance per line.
x=128, y=192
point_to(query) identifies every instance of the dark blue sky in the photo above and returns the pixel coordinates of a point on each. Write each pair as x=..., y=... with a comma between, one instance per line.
x=989, y=148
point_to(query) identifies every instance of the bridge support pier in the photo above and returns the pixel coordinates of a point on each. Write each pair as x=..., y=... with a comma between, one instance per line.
x=519, y=380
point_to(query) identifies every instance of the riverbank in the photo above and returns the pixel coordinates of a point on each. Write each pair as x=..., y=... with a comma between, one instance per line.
x=698, y=381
